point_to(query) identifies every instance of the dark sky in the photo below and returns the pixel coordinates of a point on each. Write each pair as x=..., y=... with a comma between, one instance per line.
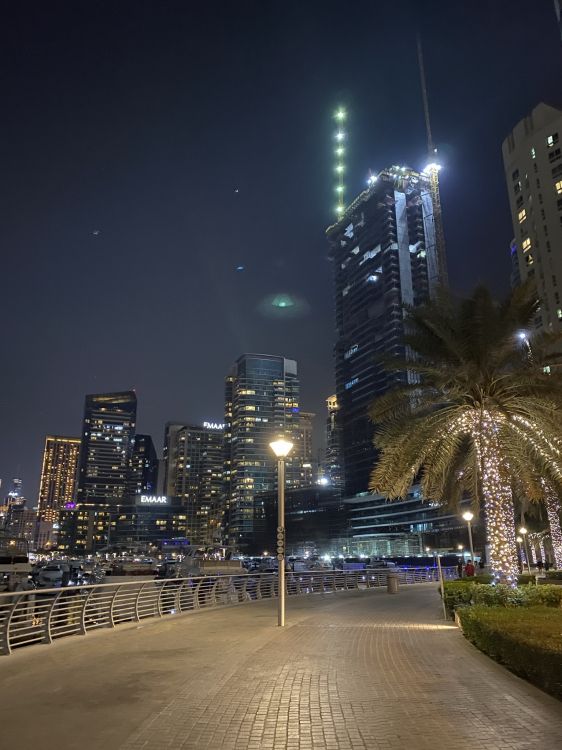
x=140, y=120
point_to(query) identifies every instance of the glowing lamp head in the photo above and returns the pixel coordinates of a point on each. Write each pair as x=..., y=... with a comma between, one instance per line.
x=522, y=335
x=468, y=515
x=519, y=539
x=281, y=447
x=428, y=549
x=523, y=530
x=460, y=547
x=433, y=167
x=340, y=114
x=340, y=135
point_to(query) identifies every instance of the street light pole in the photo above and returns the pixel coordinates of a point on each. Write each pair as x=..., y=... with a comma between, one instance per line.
x=281, y=540
x=281, y=448
x=523, y=532
x=468, y=516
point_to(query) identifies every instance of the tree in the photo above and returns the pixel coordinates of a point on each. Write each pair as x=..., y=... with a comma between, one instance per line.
x=476, y=413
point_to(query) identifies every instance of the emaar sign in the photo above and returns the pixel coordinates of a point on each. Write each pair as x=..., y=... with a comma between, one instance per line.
x=153, y=500
x=213, y=426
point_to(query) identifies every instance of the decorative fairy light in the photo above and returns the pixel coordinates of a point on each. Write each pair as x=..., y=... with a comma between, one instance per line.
x=552, y=504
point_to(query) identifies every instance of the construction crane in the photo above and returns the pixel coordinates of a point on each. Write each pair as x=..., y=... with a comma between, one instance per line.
x=432, y=171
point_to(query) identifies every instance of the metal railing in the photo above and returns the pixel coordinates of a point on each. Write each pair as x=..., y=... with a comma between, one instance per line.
x=45, y=615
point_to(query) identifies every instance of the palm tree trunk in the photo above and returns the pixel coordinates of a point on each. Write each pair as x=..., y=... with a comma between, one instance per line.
x=553, y=512
x=500, y=518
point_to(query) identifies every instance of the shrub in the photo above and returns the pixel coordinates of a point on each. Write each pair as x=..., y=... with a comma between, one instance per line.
x=524, y=639
x=457, y=593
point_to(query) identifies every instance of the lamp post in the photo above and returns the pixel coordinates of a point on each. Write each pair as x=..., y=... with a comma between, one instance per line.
x=468, y=516
x=519, y=541
x=523, y=532
x=281, y=448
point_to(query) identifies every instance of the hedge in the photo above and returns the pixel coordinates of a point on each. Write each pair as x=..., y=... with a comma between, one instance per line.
x=461, y=594
x=524, y=639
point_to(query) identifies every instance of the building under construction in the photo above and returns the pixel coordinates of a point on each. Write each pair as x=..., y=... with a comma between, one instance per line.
x=387, y=252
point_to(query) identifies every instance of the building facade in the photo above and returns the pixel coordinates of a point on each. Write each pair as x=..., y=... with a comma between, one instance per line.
x=194, y=462
x=107, y=447
x=333, y=460
x=532, y=157
x=106, y=452
x=384, y=255
x=261, y=403
x=143, y=468
x=58, y=475
x=407, y=527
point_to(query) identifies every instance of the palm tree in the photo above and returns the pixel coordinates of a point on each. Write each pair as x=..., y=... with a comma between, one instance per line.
x=476, y=413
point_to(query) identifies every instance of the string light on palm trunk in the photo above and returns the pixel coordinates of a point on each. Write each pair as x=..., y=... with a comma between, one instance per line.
x=553, y=512
x=498, y=501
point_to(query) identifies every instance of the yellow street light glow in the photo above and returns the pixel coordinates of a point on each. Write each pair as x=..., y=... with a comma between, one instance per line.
x=340, y=151
x=281, y=447
x=468, y=516
x=519, y=539
x=340, y=135
x=339, y=209
x=522, y=530
x=339, y=167
x=340, y=114
x=339, y=188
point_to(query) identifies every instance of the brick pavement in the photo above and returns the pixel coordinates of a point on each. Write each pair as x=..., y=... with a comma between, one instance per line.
x=360, y=670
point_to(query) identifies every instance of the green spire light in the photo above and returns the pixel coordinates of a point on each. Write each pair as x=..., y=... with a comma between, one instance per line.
x=340, y=136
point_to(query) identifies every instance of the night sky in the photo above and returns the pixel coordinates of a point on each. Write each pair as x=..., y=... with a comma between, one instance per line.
x=150, y=148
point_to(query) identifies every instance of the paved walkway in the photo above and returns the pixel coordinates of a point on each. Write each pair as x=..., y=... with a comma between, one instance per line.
x=359, y=670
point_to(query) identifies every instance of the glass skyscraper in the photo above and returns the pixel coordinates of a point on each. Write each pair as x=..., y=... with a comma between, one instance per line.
x=193, y=458
x=107, y=446
x=261, y=403
x=384, y=253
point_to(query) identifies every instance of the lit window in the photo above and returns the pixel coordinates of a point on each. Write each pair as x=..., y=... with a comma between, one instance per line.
x=559, y=313
x=522, y=215
x=351, y=383
x=546, y=369
x=529, y=259
x=533, y=154
x=526, y=244
x=552, y=139
x=558, y=187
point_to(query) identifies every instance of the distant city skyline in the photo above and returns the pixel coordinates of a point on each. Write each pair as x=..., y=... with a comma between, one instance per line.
x=147, y=251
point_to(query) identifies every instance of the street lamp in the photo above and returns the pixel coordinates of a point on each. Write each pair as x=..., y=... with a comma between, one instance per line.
x=523, y=532
x=281, y=448
x=468, y=516
x=519, y=541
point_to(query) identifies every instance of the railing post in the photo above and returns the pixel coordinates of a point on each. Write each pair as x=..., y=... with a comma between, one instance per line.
x=214, y=592
x=82, y=630
x=196, y=604
x=111, y=606
x=177, y=599
x=245, y=595
x=137, y=600
x=48, y=638
x=5, y=643
x=258, y=588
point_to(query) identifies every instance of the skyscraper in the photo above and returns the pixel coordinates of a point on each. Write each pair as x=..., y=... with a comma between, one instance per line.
x=143, y=468
x=106, y=451
x=107, y=446
x=333, y=444
x=194, y=475
x=384, y=252
x=58, y=476
x=532, y=157
x=304, y=447
x=261, y=403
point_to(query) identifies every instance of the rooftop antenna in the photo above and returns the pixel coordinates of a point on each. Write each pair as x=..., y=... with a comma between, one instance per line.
x=340, y=138
x=432, y=171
